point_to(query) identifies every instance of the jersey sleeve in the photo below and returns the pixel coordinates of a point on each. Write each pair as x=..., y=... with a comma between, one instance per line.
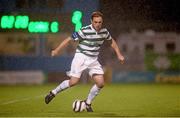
x=108, y=37
x=78, y=35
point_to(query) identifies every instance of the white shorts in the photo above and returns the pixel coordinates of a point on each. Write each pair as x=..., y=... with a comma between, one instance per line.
x=81, y=62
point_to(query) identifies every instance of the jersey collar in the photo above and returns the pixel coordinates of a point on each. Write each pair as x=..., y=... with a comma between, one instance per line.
x=94, y=29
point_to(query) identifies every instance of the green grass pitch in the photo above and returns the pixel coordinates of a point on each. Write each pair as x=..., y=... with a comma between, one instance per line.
x=137, y=100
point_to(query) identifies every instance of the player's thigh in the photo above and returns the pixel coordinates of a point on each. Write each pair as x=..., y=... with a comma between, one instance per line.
x=95, y=69
x=99, y=80
x=77, y=66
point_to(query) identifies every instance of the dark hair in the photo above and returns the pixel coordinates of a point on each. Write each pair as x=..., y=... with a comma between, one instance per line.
x=96, y=14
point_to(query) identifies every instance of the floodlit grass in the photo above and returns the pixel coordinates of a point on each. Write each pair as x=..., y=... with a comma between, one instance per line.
x=114, y=100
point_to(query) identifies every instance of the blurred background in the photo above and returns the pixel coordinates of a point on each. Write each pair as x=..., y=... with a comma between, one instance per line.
x=147, y=32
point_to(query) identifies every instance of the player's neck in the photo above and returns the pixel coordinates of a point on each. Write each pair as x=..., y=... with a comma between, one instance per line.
x=96, y=29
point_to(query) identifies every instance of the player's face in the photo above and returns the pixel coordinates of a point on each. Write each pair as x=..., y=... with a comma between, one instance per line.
x=97, y=23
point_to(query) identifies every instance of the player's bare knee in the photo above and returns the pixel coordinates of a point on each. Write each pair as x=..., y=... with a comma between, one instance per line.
x=100, y=85
x=72, y=84
x=73, y=81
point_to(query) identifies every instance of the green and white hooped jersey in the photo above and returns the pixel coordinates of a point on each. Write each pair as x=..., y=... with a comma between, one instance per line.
x=90, y=40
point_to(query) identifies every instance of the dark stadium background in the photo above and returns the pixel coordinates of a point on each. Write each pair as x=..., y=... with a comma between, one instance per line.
x=147, y=84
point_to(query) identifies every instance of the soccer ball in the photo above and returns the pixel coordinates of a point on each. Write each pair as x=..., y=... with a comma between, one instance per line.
x=78, y=106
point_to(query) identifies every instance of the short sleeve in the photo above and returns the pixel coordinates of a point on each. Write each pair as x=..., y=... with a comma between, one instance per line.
x=108, y=37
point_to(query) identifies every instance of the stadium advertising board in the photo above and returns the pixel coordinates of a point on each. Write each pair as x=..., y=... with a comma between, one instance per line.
x=21, y=77
x=171, y=77
x=146, y=77
x=133, y=77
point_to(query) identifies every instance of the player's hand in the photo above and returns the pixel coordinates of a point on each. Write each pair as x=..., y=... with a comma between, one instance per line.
x=54, y=53
x=121, y=58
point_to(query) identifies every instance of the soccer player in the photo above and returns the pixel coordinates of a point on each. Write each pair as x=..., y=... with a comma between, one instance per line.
x=89, y=38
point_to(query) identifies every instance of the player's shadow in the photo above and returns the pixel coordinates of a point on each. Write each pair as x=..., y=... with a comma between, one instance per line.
x=109, y=115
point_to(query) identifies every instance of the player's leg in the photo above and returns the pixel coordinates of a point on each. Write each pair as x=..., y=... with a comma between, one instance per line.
x=77, y=67
x=99, y=84
x=61, y=87
x=65, y=84
x=96, y=72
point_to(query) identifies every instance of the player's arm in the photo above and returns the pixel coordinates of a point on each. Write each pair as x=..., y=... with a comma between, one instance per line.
x=117, y=50
x=62, y=45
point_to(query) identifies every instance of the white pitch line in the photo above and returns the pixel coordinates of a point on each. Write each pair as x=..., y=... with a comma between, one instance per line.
x=20, y=100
